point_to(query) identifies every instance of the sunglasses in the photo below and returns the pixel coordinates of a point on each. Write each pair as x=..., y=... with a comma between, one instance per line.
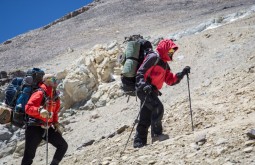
x=52, y=79
x=171, y=53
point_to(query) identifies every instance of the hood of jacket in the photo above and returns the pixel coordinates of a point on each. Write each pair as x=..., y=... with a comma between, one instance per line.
x=163, y=47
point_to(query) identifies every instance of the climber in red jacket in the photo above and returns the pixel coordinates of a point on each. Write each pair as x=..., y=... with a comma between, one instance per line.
x=150, y=77
x=43, y=105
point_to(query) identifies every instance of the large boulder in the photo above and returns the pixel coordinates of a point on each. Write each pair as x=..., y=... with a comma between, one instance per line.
x=61, y=75
x=105, y=60
x=95, y=67
x=80, y=82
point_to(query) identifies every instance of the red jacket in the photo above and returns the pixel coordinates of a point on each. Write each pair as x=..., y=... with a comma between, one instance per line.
x=160, y=72
x=35, y=102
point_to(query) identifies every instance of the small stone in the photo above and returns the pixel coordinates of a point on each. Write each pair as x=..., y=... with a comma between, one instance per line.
x=191, y=155
x=86, y=143
x=122, y=129
x=248, y=149
x=221, y=150
x=207, y=35
x=113, y=163
x=152, y=162
x=94, y=161
x=201, y=143
x=251, y=134
x=105, y=162
x=200, y=139
x=124, y=158
x=118, y=139
x=107, y=159
x=221, y=141
x=194, y=146
x=228, y=163
x=249, y=143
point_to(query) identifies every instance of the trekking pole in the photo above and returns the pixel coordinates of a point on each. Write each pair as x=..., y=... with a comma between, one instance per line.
x=190, y=104
x=47, y=133
x=136, y=121
x=47, y=125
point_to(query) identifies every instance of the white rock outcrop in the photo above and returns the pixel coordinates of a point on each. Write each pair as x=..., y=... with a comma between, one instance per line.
x=80, y=82
x=88, y=72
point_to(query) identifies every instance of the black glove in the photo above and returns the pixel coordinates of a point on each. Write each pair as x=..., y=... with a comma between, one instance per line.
x=186, y=70
x=179, y=75
x=147, y=89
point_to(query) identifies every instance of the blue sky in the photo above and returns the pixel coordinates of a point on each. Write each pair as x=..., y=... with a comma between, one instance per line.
x=21, y=16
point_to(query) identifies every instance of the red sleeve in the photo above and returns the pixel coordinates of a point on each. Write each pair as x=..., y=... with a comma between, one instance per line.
x=170, y=78
x=34, y=104
x=57, y=108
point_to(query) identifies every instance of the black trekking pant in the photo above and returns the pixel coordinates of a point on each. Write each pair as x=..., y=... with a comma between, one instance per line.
x=151, y=114
x=34, y=136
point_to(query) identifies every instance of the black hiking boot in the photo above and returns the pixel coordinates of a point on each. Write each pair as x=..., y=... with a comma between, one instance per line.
x=138, y=144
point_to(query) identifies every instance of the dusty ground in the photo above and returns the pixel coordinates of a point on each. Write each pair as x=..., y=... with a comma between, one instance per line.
x=221, y=82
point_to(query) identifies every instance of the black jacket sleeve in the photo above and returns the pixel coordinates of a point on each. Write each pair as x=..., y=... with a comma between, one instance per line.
x=145, y=69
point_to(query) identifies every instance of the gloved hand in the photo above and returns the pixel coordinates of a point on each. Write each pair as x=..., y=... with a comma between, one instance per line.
x=179, y=75
x=186, y=70
x=147, y=89
x=45, y=113
x=58, y=127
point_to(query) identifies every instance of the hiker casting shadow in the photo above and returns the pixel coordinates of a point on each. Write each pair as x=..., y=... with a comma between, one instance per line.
x=151, y=75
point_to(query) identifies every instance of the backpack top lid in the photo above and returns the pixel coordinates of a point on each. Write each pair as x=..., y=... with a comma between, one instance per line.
x=144, y=45
x=37, y=75
x=28, y=80
x=133, y=38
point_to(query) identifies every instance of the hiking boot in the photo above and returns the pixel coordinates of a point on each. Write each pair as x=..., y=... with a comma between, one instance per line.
x=159, y=138
x=138, y=144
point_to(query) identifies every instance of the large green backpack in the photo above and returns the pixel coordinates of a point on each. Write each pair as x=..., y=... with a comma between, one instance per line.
x=135, y=52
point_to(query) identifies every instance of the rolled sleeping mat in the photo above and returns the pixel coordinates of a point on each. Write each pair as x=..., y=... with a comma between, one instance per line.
x=132, y=56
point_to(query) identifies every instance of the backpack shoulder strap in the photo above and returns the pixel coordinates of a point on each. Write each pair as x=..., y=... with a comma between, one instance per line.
x=158, y=58
x=45, y=97
x=16, y=94
x=155, y=63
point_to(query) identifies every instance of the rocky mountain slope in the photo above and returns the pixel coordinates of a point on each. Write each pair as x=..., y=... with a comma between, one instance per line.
x=216, y=38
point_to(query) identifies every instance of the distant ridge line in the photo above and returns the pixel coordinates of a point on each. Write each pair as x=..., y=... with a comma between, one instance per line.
x=73, y=13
